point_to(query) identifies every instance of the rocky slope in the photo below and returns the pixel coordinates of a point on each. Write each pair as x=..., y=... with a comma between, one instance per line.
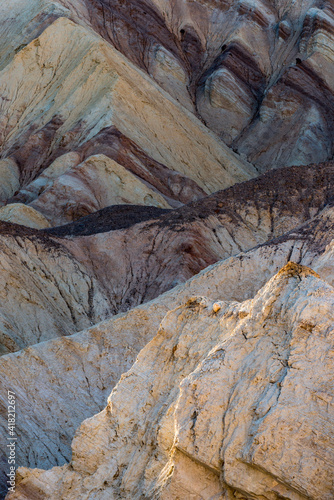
x=54, y=103
x=72, y=276
x=84, y=367
x=166, y=239
x=258, y=73
x=192, y=438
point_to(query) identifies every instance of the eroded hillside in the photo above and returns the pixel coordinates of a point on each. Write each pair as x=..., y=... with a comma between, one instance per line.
x=166, y=248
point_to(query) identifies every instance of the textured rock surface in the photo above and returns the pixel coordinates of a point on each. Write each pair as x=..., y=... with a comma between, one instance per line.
x=96, y=89
x=194, y=438
x=152, y=257
x=44, y=292
x=96, y=183
x=10, y=178
x=118, y=120
x=18, y=213
x=132, y=265
x=101, y=354
x=258, y=73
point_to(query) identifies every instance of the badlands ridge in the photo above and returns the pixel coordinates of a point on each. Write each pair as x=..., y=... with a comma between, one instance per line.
x=167, y=248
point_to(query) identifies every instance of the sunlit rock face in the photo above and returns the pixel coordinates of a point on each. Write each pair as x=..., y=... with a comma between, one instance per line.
x=216, y=394
x=166, y=248
x=259, y=74
x=54, y=103
x=72, y=276
x=85, y=366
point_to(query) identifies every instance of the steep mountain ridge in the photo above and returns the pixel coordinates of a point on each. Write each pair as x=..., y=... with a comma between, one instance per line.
x=57, y=102
x=69, y=281
x=242, y=67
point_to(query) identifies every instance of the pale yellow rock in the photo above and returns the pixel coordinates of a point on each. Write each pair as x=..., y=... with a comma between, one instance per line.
x=216, y=307
x=10, y=178
x=85, y=366
x=44, y=292
x=168, y=72
x=226, y=101
x=61, y=165
x=318, y=48
x=96, y=183
x=208, y=407
x=23, y=20
x=229, y=400
x=18, y=213
x=96, y=87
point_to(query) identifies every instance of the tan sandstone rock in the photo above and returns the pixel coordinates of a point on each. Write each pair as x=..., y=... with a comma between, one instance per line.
x=96, y=87
x=85, y=366
x=17, y=213
x=250, y=69
x=112, y=112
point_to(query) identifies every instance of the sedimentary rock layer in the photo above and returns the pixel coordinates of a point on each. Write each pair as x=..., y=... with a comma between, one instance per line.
x=53, y=102
x=97, y=183
x=132, y=134
x=114, y=270
x=257, y=73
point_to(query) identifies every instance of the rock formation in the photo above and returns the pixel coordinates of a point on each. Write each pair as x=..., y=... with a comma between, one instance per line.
x=166, y=248
x=176, y=432
x=109, y=349
x=77, y=273
x=259, y=74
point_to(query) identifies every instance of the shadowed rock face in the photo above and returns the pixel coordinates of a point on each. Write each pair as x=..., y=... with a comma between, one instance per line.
x=259, y=75
x=57, y=103
x=84, y=367
x=166, y=175
x=177, y=188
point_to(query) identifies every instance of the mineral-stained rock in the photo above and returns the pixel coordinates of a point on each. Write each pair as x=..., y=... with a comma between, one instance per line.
x=216, y=397
x=44, y=292
x=45, y=180
x=23, y=21
x=257, y=73
x=121, y=117
x=177, y=188
x=151, y=257
x=132, y=265
x=97, y=183
x=52, y=100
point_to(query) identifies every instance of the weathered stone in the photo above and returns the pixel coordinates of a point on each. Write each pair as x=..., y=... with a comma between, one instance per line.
x=120, y=117
x=96, y=183
x=85, y=366
x=98, y=88
x=17, y=213
x=10, y=179
x=215, y=420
